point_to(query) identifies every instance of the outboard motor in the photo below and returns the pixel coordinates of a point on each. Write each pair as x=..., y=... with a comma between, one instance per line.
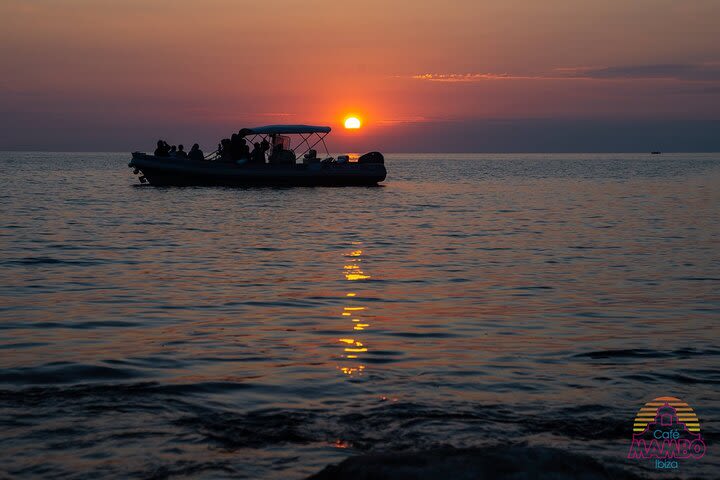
x=372, y=157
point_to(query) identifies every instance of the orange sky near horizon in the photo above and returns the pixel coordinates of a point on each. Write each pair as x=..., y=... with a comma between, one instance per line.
x=234, y=63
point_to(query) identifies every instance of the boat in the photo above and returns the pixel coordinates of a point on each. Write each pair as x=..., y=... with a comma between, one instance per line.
x=278, y=167
x=655, y=153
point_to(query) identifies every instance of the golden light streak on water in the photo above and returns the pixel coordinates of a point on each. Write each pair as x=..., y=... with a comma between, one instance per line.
x=353, y=347
x=357, y=276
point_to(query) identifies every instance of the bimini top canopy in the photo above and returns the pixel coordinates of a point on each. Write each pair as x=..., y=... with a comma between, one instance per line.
x=284, y=129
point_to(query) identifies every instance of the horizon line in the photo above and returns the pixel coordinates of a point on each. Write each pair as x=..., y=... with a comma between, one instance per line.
x=649, y=152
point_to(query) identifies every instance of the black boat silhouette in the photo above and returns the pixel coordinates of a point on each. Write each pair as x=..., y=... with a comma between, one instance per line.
x=281, y=168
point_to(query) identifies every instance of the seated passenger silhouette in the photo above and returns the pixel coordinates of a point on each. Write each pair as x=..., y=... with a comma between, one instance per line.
x=311, y=157
x=258, y=154
x=181, y=152
x=196, y=153
x=225, y=150
x=276, y=153
x=281, y=155
x=163, y=149
x=173, y=151
x=244, y=150
x=234, y=147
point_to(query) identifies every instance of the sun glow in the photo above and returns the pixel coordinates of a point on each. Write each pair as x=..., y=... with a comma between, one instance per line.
x=352, y=122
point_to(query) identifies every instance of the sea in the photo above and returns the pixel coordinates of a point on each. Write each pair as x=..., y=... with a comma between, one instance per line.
x=520, y=308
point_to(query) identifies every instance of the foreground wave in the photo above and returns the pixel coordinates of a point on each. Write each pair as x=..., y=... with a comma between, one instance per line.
x=500, y=462
x=188, y=431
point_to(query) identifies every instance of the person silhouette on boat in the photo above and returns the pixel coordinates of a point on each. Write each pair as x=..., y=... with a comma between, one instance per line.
x=196, y=153
x=238, y=148
x=163, y=149
x=181, y=152
x=234, y=147
x=244, y=150
x=257, y=155
x=225, y=150
x=173, y=151
x=276, y=153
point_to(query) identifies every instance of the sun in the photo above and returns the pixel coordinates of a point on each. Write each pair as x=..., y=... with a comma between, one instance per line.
x=352, y=122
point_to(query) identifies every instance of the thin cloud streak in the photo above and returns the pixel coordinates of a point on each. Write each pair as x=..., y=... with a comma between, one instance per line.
x=472, y=77
x=704, y=72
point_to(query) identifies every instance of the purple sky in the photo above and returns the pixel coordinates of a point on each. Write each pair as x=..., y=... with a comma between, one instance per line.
x=493, y=75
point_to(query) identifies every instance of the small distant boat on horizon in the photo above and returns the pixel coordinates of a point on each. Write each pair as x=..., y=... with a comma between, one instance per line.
x=655, y=153
x=275, y=165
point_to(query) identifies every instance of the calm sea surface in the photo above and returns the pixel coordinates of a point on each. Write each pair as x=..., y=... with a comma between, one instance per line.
x=473, y=300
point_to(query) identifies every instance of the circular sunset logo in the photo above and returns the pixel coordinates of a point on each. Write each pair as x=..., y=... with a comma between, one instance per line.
x=666, y=430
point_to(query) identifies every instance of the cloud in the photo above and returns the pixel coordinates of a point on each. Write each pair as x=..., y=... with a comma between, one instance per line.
x=470, y=77
x=403, y=119
x=702, y=72
x=275, y=114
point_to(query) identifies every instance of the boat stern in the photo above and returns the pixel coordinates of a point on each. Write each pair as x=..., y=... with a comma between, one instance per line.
x=136, y=165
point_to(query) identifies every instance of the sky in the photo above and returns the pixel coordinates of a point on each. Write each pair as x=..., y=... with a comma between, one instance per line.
x=423, y=76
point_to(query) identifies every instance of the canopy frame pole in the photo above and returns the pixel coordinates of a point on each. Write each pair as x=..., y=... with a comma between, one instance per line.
x=305, y=136
x=321, y=138
x=306, y=141
x=327, y=152
x=253, y=138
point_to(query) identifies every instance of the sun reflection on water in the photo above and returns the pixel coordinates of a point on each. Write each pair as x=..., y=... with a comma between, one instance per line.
x=352, y=346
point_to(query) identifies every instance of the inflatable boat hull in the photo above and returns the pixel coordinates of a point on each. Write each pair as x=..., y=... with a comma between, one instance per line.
x=167, y=171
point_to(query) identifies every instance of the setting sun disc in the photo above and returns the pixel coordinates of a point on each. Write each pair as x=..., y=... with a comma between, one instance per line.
x=352, y=122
